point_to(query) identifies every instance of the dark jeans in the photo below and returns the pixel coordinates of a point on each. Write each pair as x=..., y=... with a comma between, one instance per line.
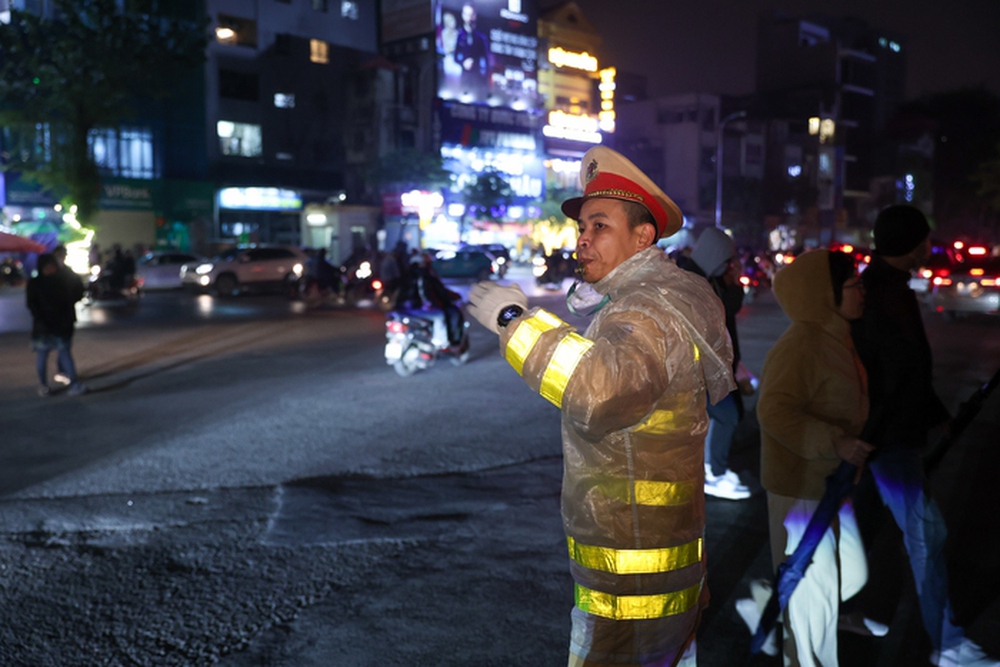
x=723, y=417
x=66, y=365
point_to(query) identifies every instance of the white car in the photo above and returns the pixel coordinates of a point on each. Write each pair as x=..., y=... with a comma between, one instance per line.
x=239, y=269
x=161, y=269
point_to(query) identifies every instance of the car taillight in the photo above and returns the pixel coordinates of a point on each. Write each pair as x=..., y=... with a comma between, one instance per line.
x=988, y=282
x=941, y=281
x=976, y=272
x=745, y=281
x=377, y=284
x=396, y=327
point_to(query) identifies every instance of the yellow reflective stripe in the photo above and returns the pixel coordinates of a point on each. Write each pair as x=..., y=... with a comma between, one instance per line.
x=660, y=422
x=636, y=607
x=635, y=561
x=526, y=335
x=560, y=369
x=651, y=493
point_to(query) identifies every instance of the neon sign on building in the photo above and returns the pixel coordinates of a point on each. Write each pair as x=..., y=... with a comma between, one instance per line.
x=607, y=88
x=576, y=127
x=560, y=57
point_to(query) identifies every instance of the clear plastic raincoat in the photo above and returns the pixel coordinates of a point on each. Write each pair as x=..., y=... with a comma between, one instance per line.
x=632, y=392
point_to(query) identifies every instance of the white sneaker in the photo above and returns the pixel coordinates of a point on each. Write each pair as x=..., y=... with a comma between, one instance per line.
x=61, y=378
x=750, y=612
x=77, y=389
x=859, y=624
x=967, y=654
x=726, y=485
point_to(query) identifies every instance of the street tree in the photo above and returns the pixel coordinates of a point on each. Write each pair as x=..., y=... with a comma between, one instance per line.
x=966, y=129
x=987, y=178
x=552, y=229
x=83, y=67
x=486, y=196
x=409, y=169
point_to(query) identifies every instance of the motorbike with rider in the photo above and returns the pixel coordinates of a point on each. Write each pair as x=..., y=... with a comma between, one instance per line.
x=426, y=322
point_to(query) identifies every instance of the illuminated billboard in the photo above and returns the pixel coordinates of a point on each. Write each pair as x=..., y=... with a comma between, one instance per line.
x=488, y=52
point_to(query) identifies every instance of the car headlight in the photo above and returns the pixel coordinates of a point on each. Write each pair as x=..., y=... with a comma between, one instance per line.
x=297, y=270
x=204, y=268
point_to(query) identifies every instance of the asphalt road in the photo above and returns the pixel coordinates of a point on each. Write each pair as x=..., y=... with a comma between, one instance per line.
x=250, y=484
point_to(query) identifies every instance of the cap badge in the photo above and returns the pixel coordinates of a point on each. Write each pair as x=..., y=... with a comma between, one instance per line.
x=591, y=171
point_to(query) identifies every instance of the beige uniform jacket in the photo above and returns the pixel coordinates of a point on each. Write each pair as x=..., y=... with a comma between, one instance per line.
x=632, y=391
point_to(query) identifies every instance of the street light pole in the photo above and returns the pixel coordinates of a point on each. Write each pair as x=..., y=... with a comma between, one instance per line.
x=718, y=163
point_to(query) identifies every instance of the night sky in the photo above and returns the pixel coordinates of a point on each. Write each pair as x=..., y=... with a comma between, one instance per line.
x=708, y=46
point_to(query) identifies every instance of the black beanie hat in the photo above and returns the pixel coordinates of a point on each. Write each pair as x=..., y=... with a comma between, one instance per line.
x=899, y=229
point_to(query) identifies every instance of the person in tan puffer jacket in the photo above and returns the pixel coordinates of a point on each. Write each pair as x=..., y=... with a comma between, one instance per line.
x=813, y=404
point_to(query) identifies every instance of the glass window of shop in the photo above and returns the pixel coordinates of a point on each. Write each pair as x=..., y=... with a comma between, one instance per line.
x=240, y=139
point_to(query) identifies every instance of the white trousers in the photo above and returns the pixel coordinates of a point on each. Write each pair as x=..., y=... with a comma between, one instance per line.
x=838, y=571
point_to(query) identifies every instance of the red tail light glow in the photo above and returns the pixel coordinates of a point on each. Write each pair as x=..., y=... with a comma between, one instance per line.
x=377, y=284
x=977, y=251
x=396, y=327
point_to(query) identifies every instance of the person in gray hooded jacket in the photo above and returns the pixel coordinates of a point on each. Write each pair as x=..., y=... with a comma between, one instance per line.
x=714, y=257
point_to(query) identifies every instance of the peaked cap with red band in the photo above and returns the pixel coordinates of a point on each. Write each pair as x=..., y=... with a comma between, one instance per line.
x=608, y=174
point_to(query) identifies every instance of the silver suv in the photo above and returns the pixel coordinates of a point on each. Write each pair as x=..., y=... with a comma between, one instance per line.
x=239, y=269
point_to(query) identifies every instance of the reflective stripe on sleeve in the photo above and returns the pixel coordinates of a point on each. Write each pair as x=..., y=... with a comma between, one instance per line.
x=635, y=607
x=526, y=335
x=651, y=492
x=635, y=561
x=560, y=369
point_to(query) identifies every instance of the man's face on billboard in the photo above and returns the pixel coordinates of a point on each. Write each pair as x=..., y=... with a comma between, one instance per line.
x=468, y=15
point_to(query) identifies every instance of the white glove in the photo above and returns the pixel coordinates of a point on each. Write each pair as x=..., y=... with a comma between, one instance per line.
x=488, y=299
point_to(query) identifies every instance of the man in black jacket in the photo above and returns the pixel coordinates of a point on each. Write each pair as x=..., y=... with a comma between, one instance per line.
x=893, y=346
x=51, y=298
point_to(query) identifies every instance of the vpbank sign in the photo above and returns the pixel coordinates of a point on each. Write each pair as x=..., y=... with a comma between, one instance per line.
x=126, y=196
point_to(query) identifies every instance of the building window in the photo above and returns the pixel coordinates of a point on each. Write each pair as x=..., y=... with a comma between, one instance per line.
x=239, y=139
x=239, y=85
x=349, y=9
x=127, y=152
x=284, y=100
x=320, y=5
x=319, y=51
x=236, y=31
x=28, y=145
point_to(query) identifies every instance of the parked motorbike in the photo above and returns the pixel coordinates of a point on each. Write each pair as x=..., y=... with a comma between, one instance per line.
x=416, y=338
